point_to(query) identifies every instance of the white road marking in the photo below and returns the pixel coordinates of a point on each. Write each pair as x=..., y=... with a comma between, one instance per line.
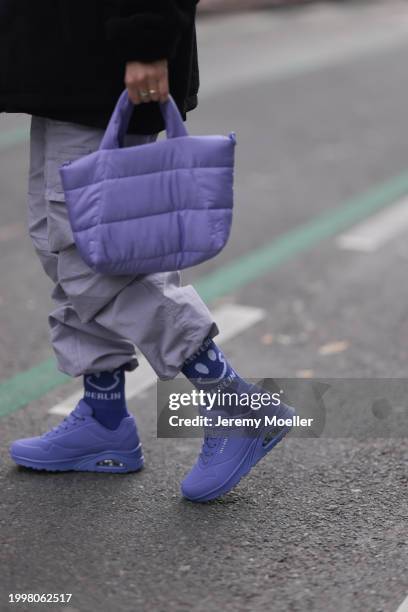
x=376, y=231
x=232, y=320
x=404, y=606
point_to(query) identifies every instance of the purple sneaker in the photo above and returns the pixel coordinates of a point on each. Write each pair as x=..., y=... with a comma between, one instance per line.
x=82, y=444
x=228, y=453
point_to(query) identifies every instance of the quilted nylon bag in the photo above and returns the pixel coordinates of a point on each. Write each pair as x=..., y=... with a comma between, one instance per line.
x=154, y=207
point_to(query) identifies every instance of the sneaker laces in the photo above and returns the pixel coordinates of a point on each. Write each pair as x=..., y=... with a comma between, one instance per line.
x=67, y=423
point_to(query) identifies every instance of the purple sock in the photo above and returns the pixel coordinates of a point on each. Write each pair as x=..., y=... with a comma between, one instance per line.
x=104, y=392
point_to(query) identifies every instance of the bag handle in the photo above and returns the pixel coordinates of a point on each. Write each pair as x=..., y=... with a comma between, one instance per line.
x=119, y=122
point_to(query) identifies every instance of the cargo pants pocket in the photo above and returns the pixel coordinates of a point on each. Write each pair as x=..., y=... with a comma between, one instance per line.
x=59, y=229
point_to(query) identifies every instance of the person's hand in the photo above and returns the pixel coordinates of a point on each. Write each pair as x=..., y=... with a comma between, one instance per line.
x=147, y=82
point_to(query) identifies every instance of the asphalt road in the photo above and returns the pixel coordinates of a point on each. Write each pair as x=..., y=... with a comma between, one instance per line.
x=319, y=103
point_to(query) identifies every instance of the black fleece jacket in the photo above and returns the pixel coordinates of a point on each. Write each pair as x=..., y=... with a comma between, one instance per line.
x=65, y=59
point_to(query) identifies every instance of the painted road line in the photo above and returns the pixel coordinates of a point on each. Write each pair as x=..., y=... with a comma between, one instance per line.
x=378, y=230
x=404, y=606
x=24, y=387
x=232, y=319
x=32, y=384
x=261, y=261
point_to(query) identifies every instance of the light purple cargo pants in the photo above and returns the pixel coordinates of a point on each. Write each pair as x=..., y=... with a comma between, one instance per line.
x=98, y=320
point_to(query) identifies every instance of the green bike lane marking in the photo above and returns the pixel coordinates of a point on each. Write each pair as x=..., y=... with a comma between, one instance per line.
x=32, y=384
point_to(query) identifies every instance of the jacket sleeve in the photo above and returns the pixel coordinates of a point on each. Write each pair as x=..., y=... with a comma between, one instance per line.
x=148, y=30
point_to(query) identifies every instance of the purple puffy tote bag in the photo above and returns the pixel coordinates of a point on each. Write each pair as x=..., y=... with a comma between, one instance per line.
x=156, y=207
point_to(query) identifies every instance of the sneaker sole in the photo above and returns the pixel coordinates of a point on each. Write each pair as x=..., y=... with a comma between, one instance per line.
x=255, y=453
x=112, y=462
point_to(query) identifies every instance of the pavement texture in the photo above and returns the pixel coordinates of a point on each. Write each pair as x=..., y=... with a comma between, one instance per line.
x=321, y=524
